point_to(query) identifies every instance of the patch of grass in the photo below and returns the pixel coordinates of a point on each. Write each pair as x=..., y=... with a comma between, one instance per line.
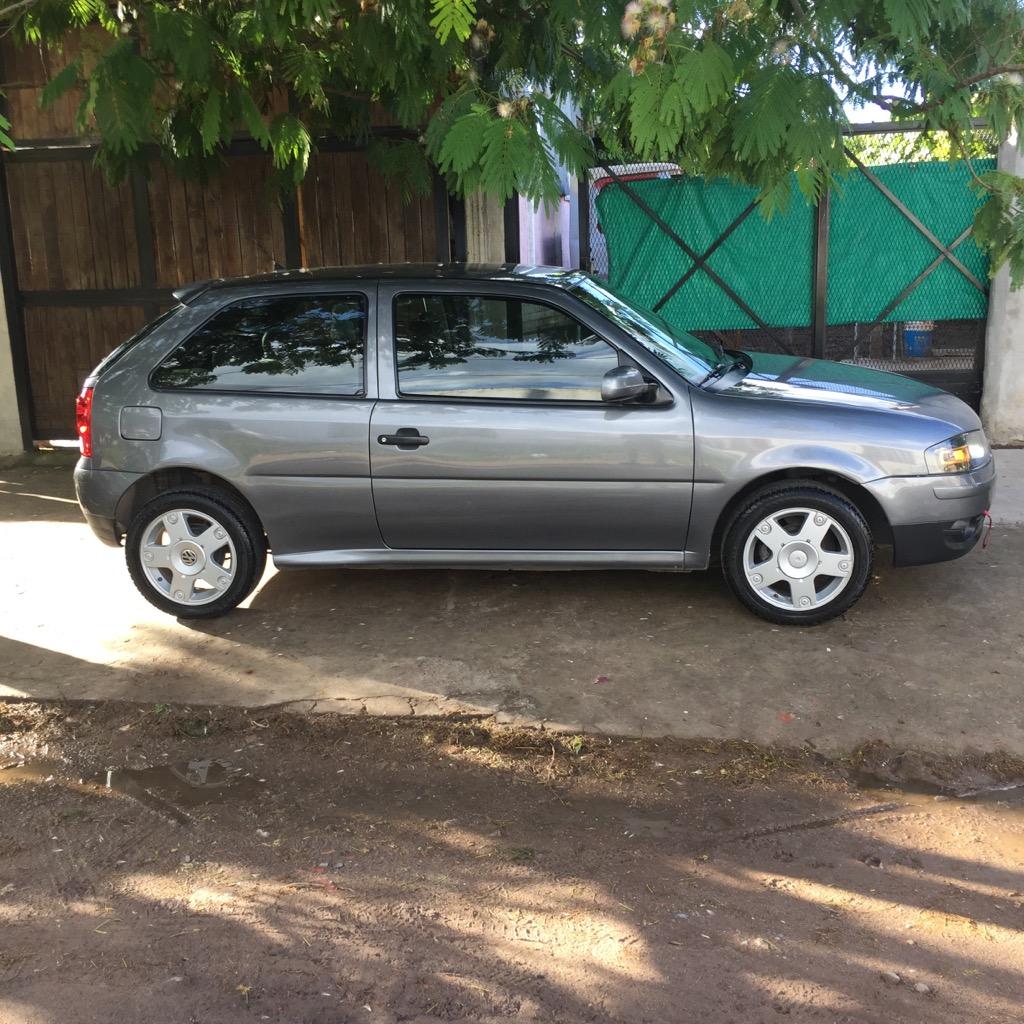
x=196, y=728
x=519, y=854
x=74, y=814
x=576, y=744
x=742, y=763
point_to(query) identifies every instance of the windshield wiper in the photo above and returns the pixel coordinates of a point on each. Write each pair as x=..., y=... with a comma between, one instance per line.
x=724, y=367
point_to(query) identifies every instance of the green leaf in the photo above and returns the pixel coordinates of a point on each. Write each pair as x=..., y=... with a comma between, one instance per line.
x=252, y=117
x=506, y=156
x=119, y=98
x=445, y=116
x=463, y=143
x=404, y=164
x=210, y=131
x=6, y=142
x=290, y=145
x=65, y=79
x=453, y=16
x=775, y=198
x=573, y=147
x=999, y=223
x=655, y=113
x=705, y=76
x=910, y=18
x=305, y=70
x=765, y=113
x=183, y=38
x=616, y=92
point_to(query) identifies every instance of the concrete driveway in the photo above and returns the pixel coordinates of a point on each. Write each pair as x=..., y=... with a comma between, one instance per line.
x=931, y=657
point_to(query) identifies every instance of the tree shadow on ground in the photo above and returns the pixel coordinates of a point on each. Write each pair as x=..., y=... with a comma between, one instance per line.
x=418, y=872
x=38, y=495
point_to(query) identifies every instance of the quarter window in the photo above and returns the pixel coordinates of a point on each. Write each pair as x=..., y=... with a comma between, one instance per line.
x=468, y=346
x=295, y=344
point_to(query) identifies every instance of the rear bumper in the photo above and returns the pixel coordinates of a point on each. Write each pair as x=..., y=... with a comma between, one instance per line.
x=935, y=518
x=105, y=529
x=98, y=492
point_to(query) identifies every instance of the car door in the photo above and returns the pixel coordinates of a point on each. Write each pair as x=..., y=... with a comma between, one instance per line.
x=271, y=391
x=490, y=432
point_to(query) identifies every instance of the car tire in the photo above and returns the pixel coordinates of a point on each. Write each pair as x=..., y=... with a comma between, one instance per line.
x=797, y=554
x=195, y=553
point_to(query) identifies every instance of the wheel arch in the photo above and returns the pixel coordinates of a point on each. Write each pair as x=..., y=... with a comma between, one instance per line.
x=170, y=478
x=856, y=493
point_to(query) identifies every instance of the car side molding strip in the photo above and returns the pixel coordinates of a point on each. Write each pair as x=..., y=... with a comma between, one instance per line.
x=672, y=561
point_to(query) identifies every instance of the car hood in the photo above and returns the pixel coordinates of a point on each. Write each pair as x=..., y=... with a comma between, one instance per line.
x=796, y=379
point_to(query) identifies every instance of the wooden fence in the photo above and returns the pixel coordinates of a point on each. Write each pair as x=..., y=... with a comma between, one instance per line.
x=85, y=264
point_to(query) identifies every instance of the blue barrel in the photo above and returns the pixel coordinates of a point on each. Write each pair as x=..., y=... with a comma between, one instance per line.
x=917, y=338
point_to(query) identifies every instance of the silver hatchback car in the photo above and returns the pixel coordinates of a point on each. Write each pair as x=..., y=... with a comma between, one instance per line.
x=506, y=417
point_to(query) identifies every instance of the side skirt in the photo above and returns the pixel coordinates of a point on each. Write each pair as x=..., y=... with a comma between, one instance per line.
x=669, y=561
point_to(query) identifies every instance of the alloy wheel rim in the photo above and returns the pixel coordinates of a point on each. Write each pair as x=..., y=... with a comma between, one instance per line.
x=798, y=559
x=188, y=557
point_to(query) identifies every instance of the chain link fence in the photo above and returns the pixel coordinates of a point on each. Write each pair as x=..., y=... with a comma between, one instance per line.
x=882, y=273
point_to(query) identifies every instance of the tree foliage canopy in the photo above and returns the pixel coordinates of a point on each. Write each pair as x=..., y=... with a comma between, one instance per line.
x=751, y=89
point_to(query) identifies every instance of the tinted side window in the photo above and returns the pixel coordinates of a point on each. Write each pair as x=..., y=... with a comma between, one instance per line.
x=300, y=344
x=126, y=346
x=468, y=346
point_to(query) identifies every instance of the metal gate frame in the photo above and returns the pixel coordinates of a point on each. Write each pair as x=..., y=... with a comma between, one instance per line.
x=819, y=293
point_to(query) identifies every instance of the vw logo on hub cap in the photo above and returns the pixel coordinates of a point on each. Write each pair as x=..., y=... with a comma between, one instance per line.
x=188, y=557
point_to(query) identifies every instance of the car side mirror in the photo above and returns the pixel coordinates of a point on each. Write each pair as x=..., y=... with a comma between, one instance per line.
x=623, y=384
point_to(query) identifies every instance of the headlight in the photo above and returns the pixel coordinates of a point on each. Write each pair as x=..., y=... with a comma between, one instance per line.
x=959, y=454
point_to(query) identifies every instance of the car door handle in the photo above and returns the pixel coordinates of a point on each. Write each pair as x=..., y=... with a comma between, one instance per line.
x=406, y=437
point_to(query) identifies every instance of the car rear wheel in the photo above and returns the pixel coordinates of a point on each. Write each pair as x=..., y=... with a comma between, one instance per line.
x=798, y=554
x=195, y=553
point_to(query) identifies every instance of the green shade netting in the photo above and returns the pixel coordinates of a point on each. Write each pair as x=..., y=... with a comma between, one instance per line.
x=874, y=250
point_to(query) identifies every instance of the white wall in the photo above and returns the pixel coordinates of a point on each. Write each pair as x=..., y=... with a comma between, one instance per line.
x=11, y=441
x=1002, y=401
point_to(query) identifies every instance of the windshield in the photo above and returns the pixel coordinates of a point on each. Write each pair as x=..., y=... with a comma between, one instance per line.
x=686, y=354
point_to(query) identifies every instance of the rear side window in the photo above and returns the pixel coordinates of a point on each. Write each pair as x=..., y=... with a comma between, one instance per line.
x=470, y=346
x=126, y=346
x=312, y=345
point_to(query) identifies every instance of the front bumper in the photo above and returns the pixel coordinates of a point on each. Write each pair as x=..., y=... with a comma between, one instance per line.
x=935, y=542
x=935, y=518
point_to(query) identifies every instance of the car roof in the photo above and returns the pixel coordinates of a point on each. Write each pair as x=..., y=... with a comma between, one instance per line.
x=381, y=272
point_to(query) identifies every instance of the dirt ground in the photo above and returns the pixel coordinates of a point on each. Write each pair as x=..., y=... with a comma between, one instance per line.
x=931, y=657
x=325, y=868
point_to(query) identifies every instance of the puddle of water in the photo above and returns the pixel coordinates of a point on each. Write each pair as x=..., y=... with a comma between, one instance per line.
x=1004, y=827
x=189, y=783
x=167, y=789
x=921, y=791
x=28, y=771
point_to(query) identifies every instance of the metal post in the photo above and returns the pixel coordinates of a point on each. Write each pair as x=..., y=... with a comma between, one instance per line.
x=583, y=219
x=292, y=233
x=819, y=299
x=144, y=236
x=442, y=222
x=510, y=216
x=457, y=215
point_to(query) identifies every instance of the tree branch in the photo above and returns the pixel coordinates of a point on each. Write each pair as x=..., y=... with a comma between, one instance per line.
x=889, y=102
x=10, y=9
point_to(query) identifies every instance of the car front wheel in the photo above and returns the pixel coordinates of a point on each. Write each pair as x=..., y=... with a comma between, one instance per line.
x=195, y=553
x=798, y=554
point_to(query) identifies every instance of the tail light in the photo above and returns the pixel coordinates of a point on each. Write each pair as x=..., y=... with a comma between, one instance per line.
x=83, y=420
